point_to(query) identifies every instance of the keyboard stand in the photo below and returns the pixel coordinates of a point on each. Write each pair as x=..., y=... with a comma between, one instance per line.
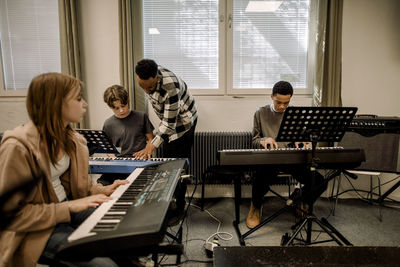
x=167, y=248
x=238, y=197
x=175, y=249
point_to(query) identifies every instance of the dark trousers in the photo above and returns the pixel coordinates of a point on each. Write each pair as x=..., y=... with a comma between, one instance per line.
x=181, y=147
x=265, y=176
x=60, y=236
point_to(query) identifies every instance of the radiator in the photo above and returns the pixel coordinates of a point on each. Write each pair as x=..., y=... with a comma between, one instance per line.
x=205, y=149
x=207, y=144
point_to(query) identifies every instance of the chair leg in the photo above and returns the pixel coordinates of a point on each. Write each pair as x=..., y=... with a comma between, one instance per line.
x=380, y=194
x=333, y=187
x=337, y=193
x=371, y=189
x=203, y=183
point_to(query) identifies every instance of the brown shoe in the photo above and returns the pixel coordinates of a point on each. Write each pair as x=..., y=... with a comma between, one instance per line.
x=253, y=218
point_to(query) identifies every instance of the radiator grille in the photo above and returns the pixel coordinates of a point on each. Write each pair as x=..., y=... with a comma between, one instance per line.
x=206, y=145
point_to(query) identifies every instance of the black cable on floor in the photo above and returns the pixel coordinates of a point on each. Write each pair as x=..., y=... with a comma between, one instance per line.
x=184, y=216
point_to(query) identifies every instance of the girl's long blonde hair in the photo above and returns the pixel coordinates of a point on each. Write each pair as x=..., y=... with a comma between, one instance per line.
x=44, y=102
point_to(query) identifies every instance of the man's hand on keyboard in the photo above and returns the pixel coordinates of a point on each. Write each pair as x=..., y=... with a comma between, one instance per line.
x=145, y=153
x=269, y=143
x=303, y=145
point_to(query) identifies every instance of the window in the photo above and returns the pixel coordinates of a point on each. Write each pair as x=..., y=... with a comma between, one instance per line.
x=183, y=36
x=29, y=42
x=230, y=46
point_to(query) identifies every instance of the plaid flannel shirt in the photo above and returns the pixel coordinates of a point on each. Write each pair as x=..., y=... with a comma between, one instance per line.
x=174, y=105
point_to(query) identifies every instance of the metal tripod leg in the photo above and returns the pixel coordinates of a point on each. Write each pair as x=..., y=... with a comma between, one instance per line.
x=267, y=220
x=237, y=215
x=325, y=222
x=382, y=197
x=337, y=194
x=238, y=197
x=324, y=225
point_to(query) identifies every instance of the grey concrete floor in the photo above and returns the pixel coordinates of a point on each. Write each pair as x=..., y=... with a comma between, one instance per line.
x=357, y=220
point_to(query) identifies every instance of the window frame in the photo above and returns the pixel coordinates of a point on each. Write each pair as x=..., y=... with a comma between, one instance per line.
x=230, y=91
x=3, y=91
x=225, y=68
x=222, y=74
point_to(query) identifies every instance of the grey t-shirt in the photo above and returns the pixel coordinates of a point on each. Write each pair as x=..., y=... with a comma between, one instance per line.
x=130, y=132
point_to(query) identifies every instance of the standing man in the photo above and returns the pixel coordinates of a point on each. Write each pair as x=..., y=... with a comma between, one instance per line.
x=267, y=120
x=175, y=107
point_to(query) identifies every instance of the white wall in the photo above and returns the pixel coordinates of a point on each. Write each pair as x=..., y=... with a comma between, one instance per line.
x=371, y=64
x=226, y=113
x=12, y=112
x=371, y=56
x=100, y=55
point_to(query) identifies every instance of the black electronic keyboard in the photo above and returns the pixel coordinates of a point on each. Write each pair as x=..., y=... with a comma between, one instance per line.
x=327, y=157
x=133, y=218
x=120, y=164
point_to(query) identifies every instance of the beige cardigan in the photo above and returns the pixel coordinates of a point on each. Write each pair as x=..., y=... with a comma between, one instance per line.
x=27, y=193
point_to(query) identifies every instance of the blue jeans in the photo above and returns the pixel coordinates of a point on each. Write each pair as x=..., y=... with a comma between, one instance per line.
x=59, y=237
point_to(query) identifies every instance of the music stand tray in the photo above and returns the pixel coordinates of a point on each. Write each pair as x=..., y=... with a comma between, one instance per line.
x=98, y=141
x=318, y=124
x=315, y=124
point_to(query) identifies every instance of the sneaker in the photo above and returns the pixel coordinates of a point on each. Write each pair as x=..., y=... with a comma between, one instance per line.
x=253, y=218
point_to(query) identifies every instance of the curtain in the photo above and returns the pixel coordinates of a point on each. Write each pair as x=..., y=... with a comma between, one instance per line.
x=69, y=47
x=131, y=50
x=125, y=48
x=69, y=42
x=328, y=66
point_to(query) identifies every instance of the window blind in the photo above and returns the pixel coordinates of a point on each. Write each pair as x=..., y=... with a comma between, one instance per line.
x=269, y=46
x=29, y=39
x=182, y=36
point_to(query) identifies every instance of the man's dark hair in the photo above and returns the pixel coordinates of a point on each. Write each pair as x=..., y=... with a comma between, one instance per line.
x=282, y=88
x=146, y=68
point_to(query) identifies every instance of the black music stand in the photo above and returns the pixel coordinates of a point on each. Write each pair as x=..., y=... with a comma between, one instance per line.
x=314, y=124
x=98, y=141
